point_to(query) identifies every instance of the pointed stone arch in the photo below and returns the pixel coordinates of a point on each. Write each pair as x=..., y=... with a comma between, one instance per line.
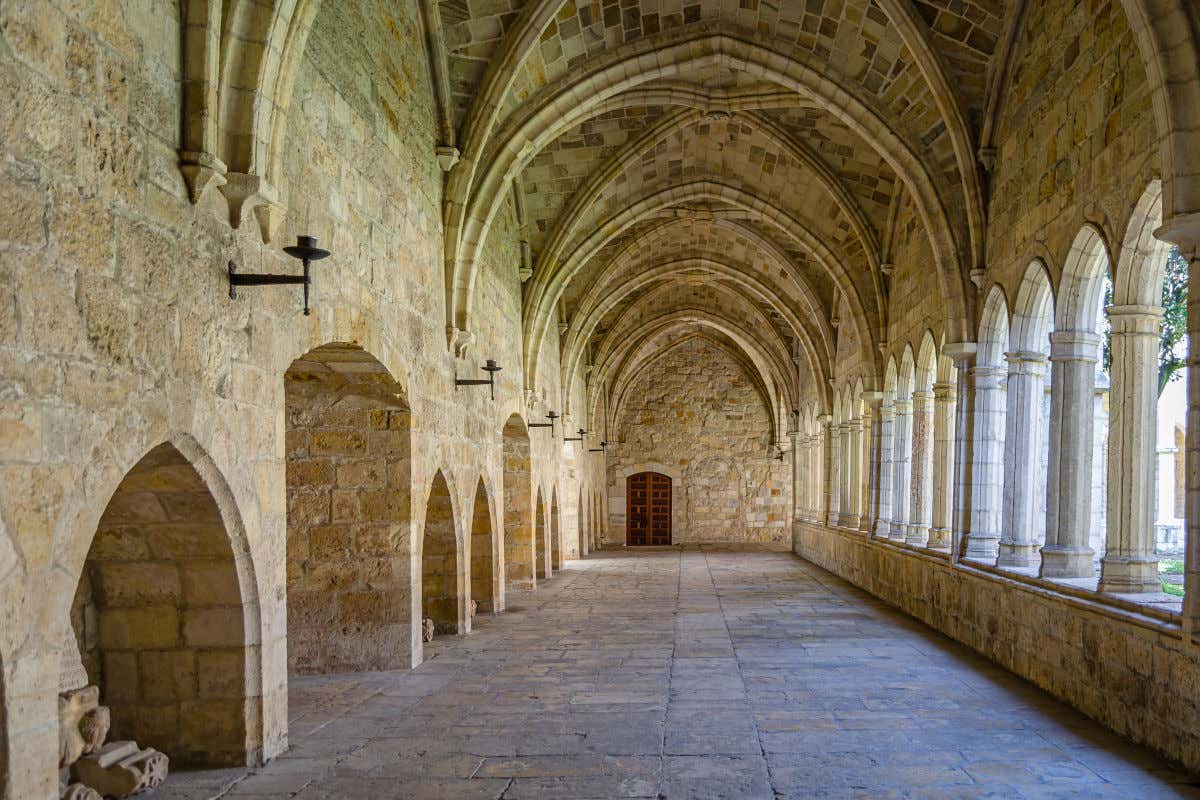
x=541, y=538
x=555, y=531
x=486, y=586
x=164, y=617
x=443, y=573
x=349, y=492
x=519, y=545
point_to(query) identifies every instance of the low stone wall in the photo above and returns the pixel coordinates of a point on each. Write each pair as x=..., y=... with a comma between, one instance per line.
x=1133, y=673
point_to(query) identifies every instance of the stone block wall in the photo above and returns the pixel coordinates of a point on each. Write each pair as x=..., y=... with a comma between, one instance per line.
x=695, y=415
x=1135, y=674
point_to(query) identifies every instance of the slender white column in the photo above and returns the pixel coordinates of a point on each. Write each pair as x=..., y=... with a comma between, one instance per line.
x=963, y=355
x=844, y=477
x=901, y=469
x=943, y=465
x=833, y=441
x=921, y=492
x=1130, y=563
x=854, y=513
x=987, y=385
x=874, y=421
x=1067, y=553
x=887, y=425
x=1022, y=448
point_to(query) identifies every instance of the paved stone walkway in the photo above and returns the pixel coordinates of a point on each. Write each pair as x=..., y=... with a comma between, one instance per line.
x=691, y=675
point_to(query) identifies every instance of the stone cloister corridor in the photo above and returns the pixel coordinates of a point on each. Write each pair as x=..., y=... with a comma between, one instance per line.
x=590, y=398
x=692, y=673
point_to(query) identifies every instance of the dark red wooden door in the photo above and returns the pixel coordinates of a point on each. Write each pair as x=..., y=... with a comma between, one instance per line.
x=648, y=509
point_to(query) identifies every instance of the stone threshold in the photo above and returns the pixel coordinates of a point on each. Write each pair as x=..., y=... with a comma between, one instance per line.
x=1144, y=612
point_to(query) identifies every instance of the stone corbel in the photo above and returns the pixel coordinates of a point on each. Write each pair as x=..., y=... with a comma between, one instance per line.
x=525, y=271
x=459, y=341
x=531, y=399
x=245, y=191
x=977, y=276
x=200, y=172
x=887, y=268
x=987, y=157
x=447, y=157
x=1182, y=230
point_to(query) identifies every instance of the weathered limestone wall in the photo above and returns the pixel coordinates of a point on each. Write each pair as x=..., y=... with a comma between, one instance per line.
x=117, y=332
x=1130, y=672
x=694, y=414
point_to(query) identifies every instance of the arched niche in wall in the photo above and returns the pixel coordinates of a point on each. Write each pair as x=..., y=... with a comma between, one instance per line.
x=442, y=577
x=519, y=545
x=485, y=583
x=348, y=439
x=159, y=621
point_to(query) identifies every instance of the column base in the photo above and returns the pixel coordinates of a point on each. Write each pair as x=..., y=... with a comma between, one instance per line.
x=1129, y=574
x=850, y=521
x=982, y=547
x=898, y=531
x=1061, y=561
x=917, y=535
x=1018, y=555
x=939, y=539
x=864, y=524
x=882, y=528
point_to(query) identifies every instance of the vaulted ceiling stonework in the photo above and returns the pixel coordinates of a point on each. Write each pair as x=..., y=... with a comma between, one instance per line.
x=333, y=331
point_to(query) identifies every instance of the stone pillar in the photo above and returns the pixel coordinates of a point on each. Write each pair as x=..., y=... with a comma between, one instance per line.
x=921, y=495
x=794, y=437
x=963, y=355
x=873, y=447
x=901, y=469
x=883, y=516
x=944, y=395
x=824, y=458
x=833, y=441
x=1066, y=553
x=986, y=385
x=1190, y=247
x=1022, y=447
x=1130, y=563
x=854, y=511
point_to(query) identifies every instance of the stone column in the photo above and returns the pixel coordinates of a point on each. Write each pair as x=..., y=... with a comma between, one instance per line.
x=1190, y=247
x=921, y=494
x=986, y=384
x=824, y=458
x=794, y=437
x=901, y=469
x=883, y=517
x=1130, y=563
x=1022, y=447
x=1066, y=553
x=943, y=465
x=963, y=355
x=834, y=443
x=854, y=513
x=873, y=447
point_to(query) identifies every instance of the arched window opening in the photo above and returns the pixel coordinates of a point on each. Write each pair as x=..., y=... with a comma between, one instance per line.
x=556, y=559
x=519, y=546
x=440, y=595
x=582, y=522
x=159, y=621
x=541, y=539
x=887, y=454
x=1075, y=516
x=348, y=514
x=902, y=445
x=1171, y=426
x=485, y=588
x=1027, y=419
x=988, y=381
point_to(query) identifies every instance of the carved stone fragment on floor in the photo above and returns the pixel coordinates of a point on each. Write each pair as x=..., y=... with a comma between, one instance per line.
x=427, y=630
x=78, y=791
x=119, y=769
x=73, y=708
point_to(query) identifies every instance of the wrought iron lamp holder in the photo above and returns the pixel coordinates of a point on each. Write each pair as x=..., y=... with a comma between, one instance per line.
x=491, y=368
x=550, y=415
x=601, y=449
x=305, y=249
x=578, y=438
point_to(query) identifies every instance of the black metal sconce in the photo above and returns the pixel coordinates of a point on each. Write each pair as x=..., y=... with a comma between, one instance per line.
x=304, y=249
x=491, y=368
x=601, y=449
x=550, y=415
x=578, y=438
x=779, y=455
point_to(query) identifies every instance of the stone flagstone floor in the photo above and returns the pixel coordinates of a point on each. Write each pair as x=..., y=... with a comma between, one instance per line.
x=690, y=674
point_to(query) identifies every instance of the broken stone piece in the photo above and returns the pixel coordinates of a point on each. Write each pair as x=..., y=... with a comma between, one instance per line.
x=73, y=707
x=474, y=608
x=119, y=769
x=94, y=728
x=427, y=630
x=77, y=791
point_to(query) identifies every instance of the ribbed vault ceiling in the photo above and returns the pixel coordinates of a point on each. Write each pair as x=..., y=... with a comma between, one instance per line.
x=742, y=158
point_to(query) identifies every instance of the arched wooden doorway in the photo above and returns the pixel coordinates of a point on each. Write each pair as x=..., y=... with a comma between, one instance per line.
x=648, y=504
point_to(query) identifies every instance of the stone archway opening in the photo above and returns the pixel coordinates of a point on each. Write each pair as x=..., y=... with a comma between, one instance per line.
x=519, y=546
x=581, y=524
x=541, y=535
x=484, y=586
x=440, y=595
x=556, y=559
x=158, y=621
x=349, y=514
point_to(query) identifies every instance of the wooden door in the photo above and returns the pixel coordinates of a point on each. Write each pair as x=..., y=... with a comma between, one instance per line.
x=648, y=509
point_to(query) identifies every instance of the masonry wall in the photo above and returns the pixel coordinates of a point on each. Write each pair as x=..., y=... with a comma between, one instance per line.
x=694, y=415
x=1132, y=673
